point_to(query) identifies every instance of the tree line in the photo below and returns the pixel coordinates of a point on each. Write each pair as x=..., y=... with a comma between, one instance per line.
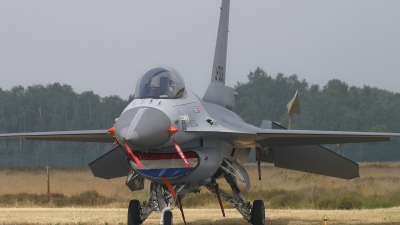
x=335, y=106
x=54, y=107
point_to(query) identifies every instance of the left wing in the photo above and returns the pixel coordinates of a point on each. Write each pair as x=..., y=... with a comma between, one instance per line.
x=309, y=158
x=298, y=149
x=275, y=138
x=228, y=126
x=247, y=137
x=80, y=136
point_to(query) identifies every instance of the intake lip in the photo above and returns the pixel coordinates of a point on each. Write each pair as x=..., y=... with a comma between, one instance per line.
x=143, y=128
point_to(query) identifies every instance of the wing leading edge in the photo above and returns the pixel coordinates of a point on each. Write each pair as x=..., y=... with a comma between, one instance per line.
x=79, y=136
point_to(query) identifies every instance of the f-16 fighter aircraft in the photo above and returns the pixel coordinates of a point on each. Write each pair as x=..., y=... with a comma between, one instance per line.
x=181, y=142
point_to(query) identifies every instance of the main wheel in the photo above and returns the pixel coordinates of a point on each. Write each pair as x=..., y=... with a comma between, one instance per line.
x=258, y=213
x=168, y=218
x=133, y=212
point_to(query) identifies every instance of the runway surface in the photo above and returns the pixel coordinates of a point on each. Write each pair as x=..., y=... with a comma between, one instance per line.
x=390, y=216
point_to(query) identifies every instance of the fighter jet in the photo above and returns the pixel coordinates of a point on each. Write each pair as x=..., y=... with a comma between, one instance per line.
x=181, y=143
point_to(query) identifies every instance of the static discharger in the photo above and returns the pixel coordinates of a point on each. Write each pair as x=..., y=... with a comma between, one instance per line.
x=325, y=219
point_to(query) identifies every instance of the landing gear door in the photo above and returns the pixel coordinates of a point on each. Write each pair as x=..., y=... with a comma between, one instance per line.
x=134, y=181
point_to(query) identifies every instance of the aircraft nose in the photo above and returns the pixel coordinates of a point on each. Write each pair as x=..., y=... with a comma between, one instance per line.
x=143, y=128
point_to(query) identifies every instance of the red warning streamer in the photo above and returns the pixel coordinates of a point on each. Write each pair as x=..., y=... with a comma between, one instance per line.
x=132, y=156
x=219, y=200
x=171, y=189
x=181, y=154
x=259, y=166
x=181, y=208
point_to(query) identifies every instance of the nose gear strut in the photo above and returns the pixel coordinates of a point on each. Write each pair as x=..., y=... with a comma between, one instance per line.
x=160, y=201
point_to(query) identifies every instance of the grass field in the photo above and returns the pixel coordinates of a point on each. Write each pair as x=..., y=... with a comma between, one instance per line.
x=103, y=216
x=378, y=187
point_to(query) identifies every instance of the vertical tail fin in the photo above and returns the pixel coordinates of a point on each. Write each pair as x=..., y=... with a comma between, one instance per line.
x=218, y=71
x=217, y=92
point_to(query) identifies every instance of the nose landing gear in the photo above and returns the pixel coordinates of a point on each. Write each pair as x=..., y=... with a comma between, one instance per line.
x=160, y=201
x=166, y=217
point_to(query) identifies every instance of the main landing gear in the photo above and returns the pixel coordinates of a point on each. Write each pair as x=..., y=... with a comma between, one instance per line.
x=253, y=214
x=258, y=213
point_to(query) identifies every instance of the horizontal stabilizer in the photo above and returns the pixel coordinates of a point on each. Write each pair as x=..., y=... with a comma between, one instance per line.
x=309, y=158
x=312, y=159
x=113, y=164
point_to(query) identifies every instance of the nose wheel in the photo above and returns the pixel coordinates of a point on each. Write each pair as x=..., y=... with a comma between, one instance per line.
x=167, y=218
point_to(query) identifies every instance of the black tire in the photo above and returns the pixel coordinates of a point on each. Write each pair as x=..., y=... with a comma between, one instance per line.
x=133, y=213
x=258, y=213
x=168, y=218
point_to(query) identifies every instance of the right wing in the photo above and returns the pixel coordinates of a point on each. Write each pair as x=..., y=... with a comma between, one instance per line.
x=79, y=135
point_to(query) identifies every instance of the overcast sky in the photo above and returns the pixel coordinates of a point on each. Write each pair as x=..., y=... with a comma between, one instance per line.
x=105, y=46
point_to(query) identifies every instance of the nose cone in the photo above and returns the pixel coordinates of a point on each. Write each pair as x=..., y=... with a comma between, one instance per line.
x=143, y=128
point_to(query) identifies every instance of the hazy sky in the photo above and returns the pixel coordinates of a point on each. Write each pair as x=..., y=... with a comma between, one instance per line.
x=105, y=46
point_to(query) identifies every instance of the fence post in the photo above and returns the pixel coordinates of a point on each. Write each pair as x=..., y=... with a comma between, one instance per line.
x=48, y=184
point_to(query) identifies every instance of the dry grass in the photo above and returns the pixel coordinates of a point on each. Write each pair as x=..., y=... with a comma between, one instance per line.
x=63, y=181
x=378, y=181
x=371, y=174
x=198, y=216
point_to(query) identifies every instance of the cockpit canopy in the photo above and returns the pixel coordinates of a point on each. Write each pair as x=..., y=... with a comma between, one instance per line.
x=160, y=82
